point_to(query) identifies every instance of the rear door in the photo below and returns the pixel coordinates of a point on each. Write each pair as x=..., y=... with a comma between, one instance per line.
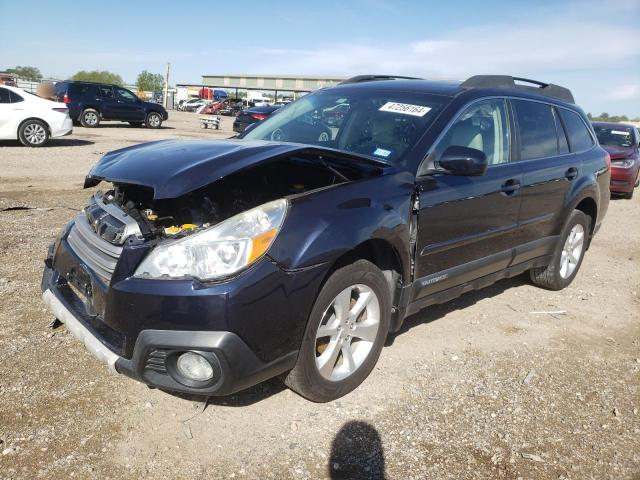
x=106, y=101
x=466, y=224
x=548, y=169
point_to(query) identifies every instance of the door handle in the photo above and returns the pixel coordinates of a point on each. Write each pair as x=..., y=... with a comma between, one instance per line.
x=511, y=186
x=571, y=173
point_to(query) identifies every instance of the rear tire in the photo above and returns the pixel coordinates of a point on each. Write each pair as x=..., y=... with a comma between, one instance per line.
x=154, y=120
x=629, y=195
x=567, y=258
x=33, y=133
x=90, y=118
x=354, y=310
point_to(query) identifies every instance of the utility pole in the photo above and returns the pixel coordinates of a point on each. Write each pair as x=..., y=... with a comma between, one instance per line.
x=166, y=86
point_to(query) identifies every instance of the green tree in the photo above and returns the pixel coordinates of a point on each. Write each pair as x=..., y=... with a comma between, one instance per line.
x=150, y=82
x=27, y=73
x=101, y=76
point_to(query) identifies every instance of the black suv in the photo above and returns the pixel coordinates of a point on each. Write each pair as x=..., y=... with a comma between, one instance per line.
x=209, y=266
x=89, y=103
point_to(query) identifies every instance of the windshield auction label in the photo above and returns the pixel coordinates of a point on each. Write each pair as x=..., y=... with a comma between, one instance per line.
x=405, y=108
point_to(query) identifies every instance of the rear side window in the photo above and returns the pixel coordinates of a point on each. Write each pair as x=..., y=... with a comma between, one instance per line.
x=537, y=129
x=579, y=137
x=15, y=98
x=4, y=96
x=79, y=88
x=105, y=91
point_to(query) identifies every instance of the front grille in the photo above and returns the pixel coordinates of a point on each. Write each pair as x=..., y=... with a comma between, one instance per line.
x=97, y=254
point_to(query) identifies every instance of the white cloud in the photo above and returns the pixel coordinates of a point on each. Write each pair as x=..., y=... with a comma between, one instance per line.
x=628, y=91
x=522, y=49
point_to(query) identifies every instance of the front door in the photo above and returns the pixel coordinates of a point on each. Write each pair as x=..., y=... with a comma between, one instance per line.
x=129, y=107
x=467, y=224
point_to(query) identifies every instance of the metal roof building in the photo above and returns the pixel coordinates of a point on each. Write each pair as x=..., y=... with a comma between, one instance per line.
x=289, y=83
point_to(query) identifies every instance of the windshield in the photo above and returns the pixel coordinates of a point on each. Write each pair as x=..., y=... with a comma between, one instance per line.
x=616, y=136
x=377, y=124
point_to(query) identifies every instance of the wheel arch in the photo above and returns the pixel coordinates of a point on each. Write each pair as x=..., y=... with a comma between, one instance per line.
x=379, y=252
x=22, y=122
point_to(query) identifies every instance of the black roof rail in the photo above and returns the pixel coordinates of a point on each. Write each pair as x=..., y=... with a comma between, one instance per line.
x=506, y=81
x=373, y=78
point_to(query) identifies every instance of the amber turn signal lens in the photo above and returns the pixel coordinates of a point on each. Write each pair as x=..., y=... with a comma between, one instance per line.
x=261, y=243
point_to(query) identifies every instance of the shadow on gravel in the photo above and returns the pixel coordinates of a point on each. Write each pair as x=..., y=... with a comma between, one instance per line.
x=434, y=312
x=54, y=142
x=244, y=398
x=126, y=125
x=357, y=453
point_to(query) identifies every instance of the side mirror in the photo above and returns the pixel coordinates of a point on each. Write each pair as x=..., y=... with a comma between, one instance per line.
x=458, y=160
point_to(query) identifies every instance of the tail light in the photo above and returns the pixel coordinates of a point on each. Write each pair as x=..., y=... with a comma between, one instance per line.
x=66, y=99
x=258, y=116
x=61, y=110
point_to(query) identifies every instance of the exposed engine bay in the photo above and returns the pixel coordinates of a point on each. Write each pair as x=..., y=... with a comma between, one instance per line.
x=222, y=199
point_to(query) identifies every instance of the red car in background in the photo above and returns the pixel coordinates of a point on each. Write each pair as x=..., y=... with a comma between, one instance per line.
x=622, y=141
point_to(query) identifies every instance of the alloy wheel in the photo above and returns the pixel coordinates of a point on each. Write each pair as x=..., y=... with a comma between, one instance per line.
x=347, y=332
x=572, y=251
x=35, y=133
x=154, y=120
x=90, y=118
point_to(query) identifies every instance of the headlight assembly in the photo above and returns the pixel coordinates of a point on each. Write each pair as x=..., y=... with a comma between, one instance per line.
x=219, y=251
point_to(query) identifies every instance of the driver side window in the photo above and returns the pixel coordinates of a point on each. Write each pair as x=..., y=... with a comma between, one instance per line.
x=126, y=95
x=483, y=126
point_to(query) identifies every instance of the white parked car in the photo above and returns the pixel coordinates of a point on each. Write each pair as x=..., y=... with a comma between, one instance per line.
x=31, y=119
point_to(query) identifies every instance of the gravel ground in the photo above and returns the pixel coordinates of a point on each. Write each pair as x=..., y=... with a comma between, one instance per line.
x=481, y=387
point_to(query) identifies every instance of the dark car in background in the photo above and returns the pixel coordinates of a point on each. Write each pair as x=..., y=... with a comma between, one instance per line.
x=253, y=115
x=89, y=103
x=623, y=143
x=206, y=267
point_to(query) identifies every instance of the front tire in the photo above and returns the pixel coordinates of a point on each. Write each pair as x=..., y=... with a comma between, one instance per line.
x=90, y=118
x=154, y=120
x=568, y=255
x=345, y=333
x=33, y=133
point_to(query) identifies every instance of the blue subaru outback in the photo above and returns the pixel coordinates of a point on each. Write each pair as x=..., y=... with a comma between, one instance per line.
x=210, y=266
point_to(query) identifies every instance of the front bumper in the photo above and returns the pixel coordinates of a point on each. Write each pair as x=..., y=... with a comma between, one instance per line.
x=236, y=366
x=623, y=180
x=253, y=324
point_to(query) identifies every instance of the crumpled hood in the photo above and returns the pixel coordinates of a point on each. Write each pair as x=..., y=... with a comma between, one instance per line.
x=175, y=167
x=617, y=153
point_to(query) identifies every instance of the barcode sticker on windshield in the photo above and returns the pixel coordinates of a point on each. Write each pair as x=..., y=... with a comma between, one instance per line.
x=619, y=132
x=405, y=108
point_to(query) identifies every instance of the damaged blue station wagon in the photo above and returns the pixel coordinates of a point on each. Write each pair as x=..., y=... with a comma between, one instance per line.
x=210, y=266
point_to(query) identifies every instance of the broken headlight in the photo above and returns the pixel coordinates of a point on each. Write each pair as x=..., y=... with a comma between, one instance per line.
x=218, y=251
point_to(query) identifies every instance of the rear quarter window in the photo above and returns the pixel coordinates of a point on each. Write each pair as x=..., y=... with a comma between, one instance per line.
x=579, y=137
x=80, y=89
x=15, y=98
x=536, y=129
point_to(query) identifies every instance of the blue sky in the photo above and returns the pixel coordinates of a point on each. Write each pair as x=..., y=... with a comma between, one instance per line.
x=592, y=47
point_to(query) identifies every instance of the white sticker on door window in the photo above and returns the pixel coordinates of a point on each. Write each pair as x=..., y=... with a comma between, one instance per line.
x=405, y=108
x=619, y=132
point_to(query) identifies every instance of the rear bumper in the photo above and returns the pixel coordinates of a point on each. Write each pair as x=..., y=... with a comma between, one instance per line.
x=65, y=128
x=236, y=365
